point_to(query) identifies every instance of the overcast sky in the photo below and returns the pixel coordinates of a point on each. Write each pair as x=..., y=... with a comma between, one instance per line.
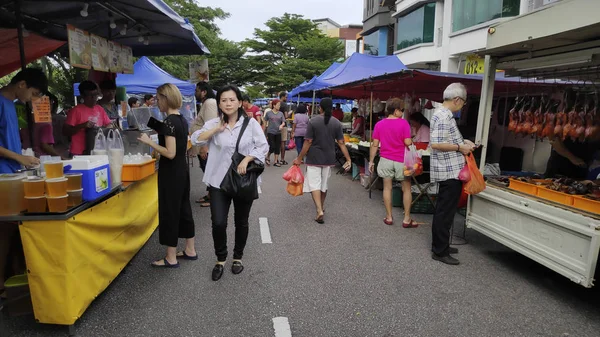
x=246, y=15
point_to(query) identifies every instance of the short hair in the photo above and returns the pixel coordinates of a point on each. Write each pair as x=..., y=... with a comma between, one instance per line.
x=108, y=85
x=87, y=86
x=148, y=97
x=301, y=109
x=282, y=94
x=204, y=86
x=238, y=95
x=172, y=94
x=354, y=110
x=245, y=98
x=132, y=100
x=394, y=104
x=455, y=90
x=33, y=77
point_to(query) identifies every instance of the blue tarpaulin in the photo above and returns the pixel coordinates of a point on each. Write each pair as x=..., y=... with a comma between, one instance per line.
x=356, y=68
x=326, y=73
x=146, y=77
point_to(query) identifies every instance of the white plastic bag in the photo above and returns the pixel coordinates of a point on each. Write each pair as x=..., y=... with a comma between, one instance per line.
x=100, y=144
x=116, y=153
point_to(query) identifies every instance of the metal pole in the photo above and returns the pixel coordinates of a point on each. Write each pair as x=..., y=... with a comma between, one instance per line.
x=485, y=107
x=20, y=33
x=313, y=104
x=371, y=122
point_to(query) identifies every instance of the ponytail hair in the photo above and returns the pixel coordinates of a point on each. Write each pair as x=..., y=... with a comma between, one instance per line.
x=238, y=94
x=327, y=106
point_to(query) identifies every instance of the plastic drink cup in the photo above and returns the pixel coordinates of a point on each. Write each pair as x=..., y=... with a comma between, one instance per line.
x=74, y=197
x=57, y=204
x=34, y=187
x=53, y=169
x=73, y=181
x=36, y=204
x=56, y=187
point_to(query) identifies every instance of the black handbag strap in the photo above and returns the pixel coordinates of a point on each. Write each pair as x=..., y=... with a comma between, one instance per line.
x=244, y=126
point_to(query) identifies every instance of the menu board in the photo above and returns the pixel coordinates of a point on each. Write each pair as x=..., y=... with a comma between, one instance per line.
x=41, y=110
x=100, y=61
x=127, y=60
x=199, y=71
x=80, y=48
x=114, y=54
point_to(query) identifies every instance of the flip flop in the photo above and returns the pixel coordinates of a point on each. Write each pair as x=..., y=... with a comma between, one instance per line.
x=268, y=162
x=182, y=255
x=165, y=265
x=277, y=165
x=283, y=162
x=388, y=222
x=411, y=224
x=320, y=219
x=202, y=200
x=205, y=204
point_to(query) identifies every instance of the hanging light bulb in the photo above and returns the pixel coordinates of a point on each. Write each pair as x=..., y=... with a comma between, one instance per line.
x=84, y=11
x=140, y=38
x=113, y=25
x=146, y=41
x=124, y=30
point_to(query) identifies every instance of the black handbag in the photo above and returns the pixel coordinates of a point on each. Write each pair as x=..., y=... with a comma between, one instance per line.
x=242, y=186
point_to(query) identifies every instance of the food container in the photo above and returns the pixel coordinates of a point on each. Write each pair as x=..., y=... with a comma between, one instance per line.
x=34, y=187
x=53, y=169
x=35, y=204
x=75, y=197
x=586, y=204
x=521, y=186
x=57, y=204
x=95, y=179
x=136, y=172
x=559, y=197
x=12, y=194
x=73, y=181
x=56, y=187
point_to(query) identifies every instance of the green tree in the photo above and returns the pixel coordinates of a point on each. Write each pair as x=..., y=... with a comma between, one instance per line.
x=291, y=50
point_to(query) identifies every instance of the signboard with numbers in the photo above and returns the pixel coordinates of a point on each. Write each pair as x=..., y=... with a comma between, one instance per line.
x=474, y=65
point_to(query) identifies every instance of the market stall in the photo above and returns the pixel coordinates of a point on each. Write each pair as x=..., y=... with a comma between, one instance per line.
x=555, y=222
x=82, y=220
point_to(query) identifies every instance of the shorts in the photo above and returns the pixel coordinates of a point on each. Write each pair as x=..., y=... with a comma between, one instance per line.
x=389, y=169
x=274, y=143
x=284, y=134
x=316, y=178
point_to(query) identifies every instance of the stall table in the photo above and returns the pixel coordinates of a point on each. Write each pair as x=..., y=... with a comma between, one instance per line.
x=71, y=258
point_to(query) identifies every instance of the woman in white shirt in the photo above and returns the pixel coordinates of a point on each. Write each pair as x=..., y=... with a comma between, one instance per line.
x=420, y=126
x=221, y=134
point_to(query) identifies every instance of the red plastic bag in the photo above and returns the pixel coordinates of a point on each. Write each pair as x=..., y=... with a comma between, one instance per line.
x=413, y=164
x=294, y=189
x=294, y=175
x=291, y=145
x=477, y=183
x=464, y=174
x=464, y=198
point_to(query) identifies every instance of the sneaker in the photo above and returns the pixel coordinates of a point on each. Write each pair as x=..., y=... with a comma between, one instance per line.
x=445, y=259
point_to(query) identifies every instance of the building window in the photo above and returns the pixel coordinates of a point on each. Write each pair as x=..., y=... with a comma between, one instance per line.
x=469, y=13
x=372, y=43
x=416, y=27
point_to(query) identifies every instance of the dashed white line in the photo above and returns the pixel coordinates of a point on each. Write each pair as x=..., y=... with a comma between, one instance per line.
x=282, y=327
x=265, y=233
x=259, y=190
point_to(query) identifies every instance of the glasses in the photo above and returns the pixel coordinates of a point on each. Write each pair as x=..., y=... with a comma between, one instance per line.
x=462, y=99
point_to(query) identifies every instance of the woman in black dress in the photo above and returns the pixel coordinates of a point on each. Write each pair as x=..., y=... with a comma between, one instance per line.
x=174, y=208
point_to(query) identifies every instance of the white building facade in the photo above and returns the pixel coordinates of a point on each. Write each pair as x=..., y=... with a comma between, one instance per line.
x=446, y=35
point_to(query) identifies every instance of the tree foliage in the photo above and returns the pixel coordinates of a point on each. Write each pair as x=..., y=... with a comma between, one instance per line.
x=291, y=50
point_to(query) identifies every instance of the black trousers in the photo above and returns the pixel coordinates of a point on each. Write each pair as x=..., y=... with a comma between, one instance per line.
x=274, y=143
x=202, y=163
x=219, y=209
x=443, y=218
x=175, y=219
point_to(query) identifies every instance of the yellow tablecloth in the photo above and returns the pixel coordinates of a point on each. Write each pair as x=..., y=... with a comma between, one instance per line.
x=69, y=263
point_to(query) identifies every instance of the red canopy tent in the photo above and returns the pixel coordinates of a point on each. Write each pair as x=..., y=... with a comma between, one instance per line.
x=35, y=47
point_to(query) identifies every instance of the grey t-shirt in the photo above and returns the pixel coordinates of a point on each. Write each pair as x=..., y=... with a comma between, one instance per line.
x=275, y=120
x=324, y=137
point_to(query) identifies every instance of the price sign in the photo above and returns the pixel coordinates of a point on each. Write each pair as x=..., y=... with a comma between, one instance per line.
x=474, y=65
x=41, y=110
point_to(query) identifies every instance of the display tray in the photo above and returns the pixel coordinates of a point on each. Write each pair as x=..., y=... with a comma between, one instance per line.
x=525, y=187
x=586, y=204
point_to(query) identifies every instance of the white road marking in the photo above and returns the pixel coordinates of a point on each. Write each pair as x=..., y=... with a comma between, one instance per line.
x=265, y=233
x=282, y=327
x=259, y=190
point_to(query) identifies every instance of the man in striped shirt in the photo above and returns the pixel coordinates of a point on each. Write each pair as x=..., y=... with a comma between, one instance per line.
x=447, y=159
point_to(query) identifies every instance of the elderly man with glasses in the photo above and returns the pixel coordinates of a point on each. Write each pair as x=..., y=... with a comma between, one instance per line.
x=447, y=159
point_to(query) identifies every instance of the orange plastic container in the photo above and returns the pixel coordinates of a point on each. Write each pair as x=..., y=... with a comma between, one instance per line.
x=586, y=204
x=34, y=187
x=524, y=187
x=57, y=204
x=136, y=172
x=75, y=197
x=36, y=204
x=559, y=197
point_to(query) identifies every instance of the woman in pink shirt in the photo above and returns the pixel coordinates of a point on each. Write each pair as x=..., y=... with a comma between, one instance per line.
x=393, y=133
x=420, y=125
x=84, y=116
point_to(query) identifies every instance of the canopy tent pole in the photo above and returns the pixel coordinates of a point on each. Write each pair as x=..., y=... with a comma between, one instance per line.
x=371, y=122
x=20, y=33
x=485, y=107
x=313, y=104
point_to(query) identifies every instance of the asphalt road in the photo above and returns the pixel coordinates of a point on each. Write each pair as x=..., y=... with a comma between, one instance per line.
x=352, y=276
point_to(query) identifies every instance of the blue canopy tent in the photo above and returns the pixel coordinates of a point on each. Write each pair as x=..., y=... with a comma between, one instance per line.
x=326, y=73
x=146, y=77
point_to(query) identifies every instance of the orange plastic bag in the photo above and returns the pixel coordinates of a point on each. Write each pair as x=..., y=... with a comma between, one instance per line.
x=294, y=175
x=294, y=189
x=477, y=183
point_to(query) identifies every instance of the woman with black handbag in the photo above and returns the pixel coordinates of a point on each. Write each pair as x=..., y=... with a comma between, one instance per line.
x=237, y=147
